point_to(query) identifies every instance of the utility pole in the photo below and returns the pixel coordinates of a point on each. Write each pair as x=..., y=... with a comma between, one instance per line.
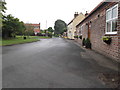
x=46, y=29
x=46, y=24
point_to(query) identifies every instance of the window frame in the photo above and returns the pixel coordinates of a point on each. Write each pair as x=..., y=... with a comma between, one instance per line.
x=111, y=19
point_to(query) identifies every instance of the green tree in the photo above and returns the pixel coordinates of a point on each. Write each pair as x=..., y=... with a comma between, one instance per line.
x=41, y=31
x=50, y=29
x=2, y=10
x=29, y=31
x=11, y=26
x=21, y=28
x=60, y=27
x=2, y=6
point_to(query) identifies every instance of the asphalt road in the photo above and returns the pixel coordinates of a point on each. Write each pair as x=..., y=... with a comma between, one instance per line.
x=49, y=63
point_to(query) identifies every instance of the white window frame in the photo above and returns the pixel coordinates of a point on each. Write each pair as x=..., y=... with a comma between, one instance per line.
x=111, y=19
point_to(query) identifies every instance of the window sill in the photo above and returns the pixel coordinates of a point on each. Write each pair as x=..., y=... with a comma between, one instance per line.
x=111, y=33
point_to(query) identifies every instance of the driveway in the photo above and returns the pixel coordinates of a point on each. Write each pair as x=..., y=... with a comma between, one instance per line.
x=50, y=63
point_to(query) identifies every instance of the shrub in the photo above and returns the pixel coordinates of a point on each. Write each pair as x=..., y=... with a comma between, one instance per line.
x=50, y=35
x=39, y=34
x=80, y=36
x=87, y=43
x=76, y=36
x=56, y=35
x=83, y=42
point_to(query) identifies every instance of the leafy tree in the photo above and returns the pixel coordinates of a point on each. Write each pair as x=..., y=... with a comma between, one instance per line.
x=2, y=10
x=50, y=29
x=11, y=26
x=41, y=31
x=29, y=31
x=21, y=28
x=2, y=6
x=60, y=27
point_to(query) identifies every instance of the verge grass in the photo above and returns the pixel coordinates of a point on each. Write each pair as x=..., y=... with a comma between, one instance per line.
x=18, y=40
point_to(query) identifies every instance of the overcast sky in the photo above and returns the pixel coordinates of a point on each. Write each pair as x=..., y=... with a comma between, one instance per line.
x=40, y=11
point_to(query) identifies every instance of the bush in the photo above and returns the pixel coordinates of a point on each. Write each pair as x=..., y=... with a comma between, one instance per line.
x=75, y=36
x=56, y=35
x=80, y=36
x=87, y=43
x=50, y=35
x=83, y=42
x=39, y=34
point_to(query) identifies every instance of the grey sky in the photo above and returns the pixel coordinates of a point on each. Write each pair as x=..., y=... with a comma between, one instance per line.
x=40, y=11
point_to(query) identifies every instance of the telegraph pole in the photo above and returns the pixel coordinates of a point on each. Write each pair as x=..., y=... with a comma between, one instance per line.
x=46, y=24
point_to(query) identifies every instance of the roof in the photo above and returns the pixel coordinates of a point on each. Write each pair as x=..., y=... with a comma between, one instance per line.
x=32, y=24
x=74, y=18
x=96, y=8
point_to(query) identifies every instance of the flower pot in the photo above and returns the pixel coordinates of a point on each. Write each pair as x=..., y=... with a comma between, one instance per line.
x=107, y=41
x=80, y=37
x=24, y=37
x=88, y=43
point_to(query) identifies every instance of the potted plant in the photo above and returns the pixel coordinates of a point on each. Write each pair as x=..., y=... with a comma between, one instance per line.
x=80, y=36
x=75, y=36
x=24, y=37
x=83, y=42
x=107, y=39
x=87, y=43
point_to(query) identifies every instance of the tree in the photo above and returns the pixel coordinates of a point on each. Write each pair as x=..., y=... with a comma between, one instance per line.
x=29, y=30
x=11, y=26
x=60, y=27
x=21, y=28
x=2, y=6
x=2, y=10
x=50, y=29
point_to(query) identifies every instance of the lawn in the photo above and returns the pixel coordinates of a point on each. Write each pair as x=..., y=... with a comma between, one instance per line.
x=20, y=40
x=43, y=37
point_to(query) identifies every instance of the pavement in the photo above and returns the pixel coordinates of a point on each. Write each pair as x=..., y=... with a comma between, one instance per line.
x=53, y=63
x=100, y=59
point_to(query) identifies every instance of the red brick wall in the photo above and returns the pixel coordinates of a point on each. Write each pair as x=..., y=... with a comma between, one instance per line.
x=97, y=30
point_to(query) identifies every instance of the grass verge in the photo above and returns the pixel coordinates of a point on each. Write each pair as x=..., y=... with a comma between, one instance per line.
x=18, y=40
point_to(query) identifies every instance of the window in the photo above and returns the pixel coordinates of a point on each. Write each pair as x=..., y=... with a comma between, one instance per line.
x=36, y=27
x=81, y=29
x=111, y=20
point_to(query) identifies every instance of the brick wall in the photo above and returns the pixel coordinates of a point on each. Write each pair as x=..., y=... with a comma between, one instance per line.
x=97, y=30
x=119, y=30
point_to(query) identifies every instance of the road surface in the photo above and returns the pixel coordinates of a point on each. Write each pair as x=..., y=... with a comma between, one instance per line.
x=49, y=63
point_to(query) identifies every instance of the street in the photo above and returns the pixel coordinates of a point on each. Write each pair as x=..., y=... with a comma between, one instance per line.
x=49, y=63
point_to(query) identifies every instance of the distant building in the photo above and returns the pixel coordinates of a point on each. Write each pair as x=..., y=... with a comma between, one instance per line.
x=71, y=32
x=36, y=27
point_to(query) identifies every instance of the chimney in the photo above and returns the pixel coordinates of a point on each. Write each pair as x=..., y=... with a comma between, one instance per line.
x=76, y=14
x=86, y=14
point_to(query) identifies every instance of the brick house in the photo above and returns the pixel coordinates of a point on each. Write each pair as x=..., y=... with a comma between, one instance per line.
x=103, y=20
x=36, y=27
